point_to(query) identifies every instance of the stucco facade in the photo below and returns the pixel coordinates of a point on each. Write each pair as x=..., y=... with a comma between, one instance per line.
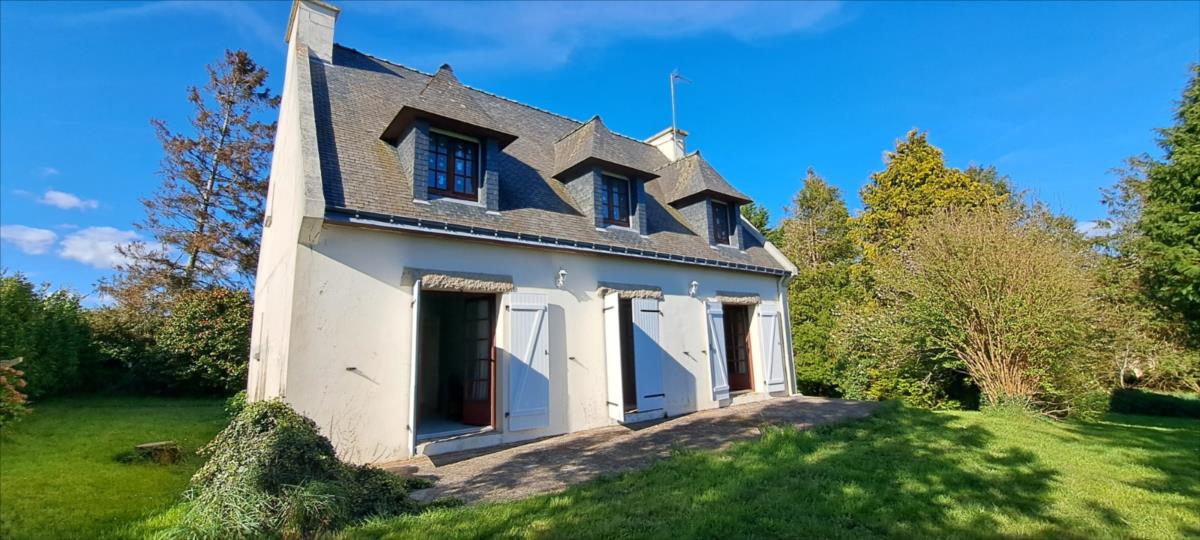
x=337, y=295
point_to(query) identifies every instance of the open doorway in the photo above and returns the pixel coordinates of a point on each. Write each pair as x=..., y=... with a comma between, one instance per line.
x=737, y=348
x=456, y=367
x=628, y=368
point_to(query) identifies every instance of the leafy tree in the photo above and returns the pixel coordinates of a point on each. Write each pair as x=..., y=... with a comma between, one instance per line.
x=1169, y=247
x=915, y=183
x=815, y=237
x=989, y=292
x=205, y=219
x=760, y=217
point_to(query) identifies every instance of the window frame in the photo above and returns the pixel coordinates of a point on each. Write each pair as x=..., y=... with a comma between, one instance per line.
x=451, y=159
x=721, y=235
x=607, y=181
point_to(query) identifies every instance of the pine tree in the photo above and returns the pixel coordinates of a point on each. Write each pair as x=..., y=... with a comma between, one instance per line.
x=205, y=219
x=1169, y=225
x=815, y=237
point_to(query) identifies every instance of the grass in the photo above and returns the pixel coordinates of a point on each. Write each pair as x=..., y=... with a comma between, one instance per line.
x=59, y=477
x=903, y=473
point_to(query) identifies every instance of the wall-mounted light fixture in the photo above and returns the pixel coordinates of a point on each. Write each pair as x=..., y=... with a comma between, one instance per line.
x=693, y=288
x=561, y=278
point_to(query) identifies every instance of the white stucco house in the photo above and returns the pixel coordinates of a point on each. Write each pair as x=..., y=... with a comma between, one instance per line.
x=446, y=269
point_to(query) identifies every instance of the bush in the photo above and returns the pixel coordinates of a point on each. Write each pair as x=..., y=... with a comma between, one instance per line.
x=986, y=292
x=12, y=401
x=235, y=404
x=206, y=339
x=272, y=474
x=45, y=328
x=1132, y=401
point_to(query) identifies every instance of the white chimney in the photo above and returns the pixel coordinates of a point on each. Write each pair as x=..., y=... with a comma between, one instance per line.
x=311, y=24
x=672, y=147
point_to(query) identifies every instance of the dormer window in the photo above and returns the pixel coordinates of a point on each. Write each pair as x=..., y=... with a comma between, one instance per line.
x=720, y=212
x=614, y=200
x=453, y=165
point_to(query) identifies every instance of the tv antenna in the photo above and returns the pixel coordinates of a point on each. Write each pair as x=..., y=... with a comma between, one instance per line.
x=675, y=128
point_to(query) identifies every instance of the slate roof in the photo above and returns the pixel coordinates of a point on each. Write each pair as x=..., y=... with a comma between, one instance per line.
x=357, y=97
x=593, y=142
x=692, y=176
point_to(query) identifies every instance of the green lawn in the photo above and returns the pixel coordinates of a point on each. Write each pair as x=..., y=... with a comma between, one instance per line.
x=901, y=474
x=58, y=475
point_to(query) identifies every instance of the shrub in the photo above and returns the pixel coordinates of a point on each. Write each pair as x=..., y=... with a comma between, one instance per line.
x=272, y=474
x=992, y=294
x=12, y=401
x=1132, y=401
x=235, y=404
x=45, y=328
x=206, y=339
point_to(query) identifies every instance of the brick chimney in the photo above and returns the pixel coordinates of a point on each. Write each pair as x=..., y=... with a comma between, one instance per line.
x=672, y=147
x=311, y=23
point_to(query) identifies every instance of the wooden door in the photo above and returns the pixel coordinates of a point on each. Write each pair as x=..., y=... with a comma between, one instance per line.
x=737, y=349
x=479, y=320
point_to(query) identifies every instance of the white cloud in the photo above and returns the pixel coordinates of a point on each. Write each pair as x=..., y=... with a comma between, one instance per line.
x=67, y=201
x=96, y=246
x=237, y=14
x=28, y=239
x=46, y=171
x=1091, y=229
x=544, y=35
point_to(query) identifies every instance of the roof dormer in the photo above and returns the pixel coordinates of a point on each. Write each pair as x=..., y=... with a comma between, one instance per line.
x=603, y=177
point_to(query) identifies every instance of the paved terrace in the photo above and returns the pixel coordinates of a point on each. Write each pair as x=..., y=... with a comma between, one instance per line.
x=546, y=465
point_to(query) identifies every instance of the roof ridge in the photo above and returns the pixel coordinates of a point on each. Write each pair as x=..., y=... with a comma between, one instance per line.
x=594, y=118
x=485, y=92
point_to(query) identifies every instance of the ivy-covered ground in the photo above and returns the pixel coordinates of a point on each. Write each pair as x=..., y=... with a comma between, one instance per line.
x=59, y=476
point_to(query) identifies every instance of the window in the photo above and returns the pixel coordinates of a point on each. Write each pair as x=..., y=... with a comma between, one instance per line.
x=453, y=166
x=721, y=222
x=614, y=201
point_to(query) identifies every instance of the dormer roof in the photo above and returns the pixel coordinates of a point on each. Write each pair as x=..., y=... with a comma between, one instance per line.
x=451, y=105
x=593, y=143
x=693, y=176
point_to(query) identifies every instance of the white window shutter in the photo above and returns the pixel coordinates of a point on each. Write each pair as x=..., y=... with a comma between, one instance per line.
x=716, y=350
x=414, y=357
x=772, y=342
x=647, y=355
x=612, y=357
x=529, y=363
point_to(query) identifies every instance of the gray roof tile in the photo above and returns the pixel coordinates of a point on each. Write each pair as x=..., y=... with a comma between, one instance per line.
x=357, y=97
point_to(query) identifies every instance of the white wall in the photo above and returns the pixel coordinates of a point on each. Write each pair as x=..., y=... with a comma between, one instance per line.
x=353, y=309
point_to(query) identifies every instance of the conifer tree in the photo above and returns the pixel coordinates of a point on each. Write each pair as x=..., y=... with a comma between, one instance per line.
x=204, y=222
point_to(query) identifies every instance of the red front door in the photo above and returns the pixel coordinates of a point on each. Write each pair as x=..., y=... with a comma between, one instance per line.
x=737, y=347
x=478, y=405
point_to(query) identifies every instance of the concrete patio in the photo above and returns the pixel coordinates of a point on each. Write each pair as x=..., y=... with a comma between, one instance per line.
x=551, y=464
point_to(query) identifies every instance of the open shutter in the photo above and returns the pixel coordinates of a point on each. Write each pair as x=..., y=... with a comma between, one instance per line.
x=647, y=354
x=412, y=367
x=772, y=342
x=612, y=356
x=716, y=350
x=528, y=363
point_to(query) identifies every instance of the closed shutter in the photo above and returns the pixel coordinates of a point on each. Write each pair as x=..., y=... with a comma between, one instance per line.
x=716, y=350
x=612, y=356
x=772, y=342
x=528, y=363
x=647, y=354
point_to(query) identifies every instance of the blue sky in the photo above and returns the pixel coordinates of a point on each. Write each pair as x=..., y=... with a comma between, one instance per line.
x=1054, y=95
